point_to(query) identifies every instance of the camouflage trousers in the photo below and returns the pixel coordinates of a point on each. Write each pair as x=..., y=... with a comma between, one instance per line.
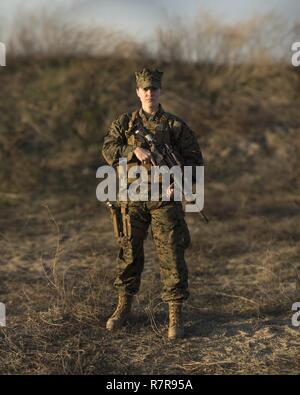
x=171, y=237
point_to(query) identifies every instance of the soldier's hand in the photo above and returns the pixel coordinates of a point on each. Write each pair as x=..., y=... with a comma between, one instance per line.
x=170, y=191
x=143, y=155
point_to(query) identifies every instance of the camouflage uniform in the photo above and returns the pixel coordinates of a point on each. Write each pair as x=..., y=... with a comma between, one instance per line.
x=168, y=226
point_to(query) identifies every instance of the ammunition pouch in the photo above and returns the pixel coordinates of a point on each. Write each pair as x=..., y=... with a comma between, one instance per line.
x=121, y=221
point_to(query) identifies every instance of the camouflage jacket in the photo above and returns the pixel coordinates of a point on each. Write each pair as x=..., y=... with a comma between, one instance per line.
x=167, y=128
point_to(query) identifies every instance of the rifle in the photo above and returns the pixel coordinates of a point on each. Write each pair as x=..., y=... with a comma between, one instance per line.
x=161, y=155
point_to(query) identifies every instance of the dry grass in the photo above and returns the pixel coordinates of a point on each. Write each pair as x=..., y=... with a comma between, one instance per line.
x=57, y=271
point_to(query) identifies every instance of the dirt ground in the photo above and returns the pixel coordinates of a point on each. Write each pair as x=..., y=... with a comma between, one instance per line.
x=57, y=270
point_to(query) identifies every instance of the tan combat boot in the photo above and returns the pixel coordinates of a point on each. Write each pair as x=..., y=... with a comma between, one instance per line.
x=176, y=329
x=120, y=315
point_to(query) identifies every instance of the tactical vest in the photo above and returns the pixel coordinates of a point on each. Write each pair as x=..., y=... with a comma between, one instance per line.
x=160, y=128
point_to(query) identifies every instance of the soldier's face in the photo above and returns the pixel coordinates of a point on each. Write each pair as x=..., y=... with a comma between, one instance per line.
x=149, y=96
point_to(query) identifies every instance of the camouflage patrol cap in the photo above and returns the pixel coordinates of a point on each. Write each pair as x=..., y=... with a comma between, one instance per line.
x=148, y=78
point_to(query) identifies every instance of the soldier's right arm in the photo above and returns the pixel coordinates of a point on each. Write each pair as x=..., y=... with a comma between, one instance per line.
x=115, y=144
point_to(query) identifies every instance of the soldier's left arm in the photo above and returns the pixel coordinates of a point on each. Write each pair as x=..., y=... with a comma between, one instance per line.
x=188, y=146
